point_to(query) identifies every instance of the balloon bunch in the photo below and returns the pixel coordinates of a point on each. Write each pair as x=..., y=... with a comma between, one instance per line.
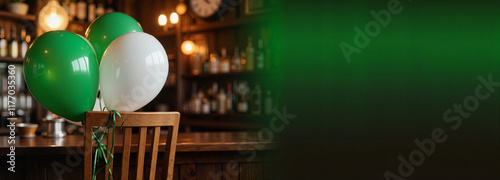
x=64, y=70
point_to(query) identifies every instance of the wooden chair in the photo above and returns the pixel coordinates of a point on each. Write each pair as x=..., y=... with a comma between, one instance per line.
x=142, y=120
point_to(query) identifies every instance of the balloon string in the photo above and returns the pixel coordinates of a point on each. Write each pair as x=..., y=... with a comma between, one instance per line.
x=101, y=150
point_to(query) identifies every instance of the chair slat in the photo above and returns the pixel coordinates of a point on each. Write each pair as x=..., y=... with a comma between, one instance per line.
x=88, y=152
x=110, y=148
x=154, y=152
x=173, y=144
x=141, y=152
x=126, y=152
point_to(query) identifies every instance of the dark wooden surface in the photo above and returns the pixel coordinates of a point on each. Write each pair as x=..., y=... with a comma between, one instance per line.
x=222, y=155
x=186, y=142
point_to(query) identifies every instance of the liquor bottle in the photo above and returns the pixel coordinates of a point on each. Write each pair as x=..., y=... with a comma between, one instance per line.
x=23, y=43
x=259, y=56
x=229, y=99
x=3, y=43
x=197, y=102
x=72, y=10
x=91, y=10
x=243, y=62
x=224, y=65
x=205, y=106
x=214, y=63
x=242, y=104
x=214, y=106
x=221, y=101
x=206, y=63
x=109, y=7
x=256, y=100
x=235, y=98
x=236, y=61
x=100, y=10
x=13, y=43
x=81, y=10
x=196, y=99
x=268, y=103
x=65, y=5
x=196, y=66
x=250, y=56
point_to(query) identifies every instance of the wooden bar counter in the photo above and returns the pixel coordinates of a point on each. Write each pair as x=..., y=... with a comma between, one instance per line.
x=214, y=155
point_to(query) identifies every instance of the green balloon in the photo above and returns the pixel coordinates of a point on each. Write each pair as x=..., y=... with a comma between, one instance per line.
x=107, y=28
x=61, y=71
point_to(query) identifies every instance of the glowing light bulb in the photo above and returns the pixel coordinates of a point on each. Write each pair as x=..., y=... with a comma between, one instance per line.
x=188, y=47
x=53, y=17
x=181, y=8
x=53, y=21
x=162, y=20
x=174, y=18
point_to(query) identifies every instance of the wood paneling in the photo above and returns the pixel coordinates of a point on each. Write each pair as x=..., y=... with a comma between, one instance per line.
x=187, y=172
x=251, y=171
x=208, y=171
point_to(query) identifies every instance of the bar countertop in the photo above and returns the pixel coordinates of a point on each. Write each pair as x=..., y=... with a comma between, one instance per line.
x=186, y=142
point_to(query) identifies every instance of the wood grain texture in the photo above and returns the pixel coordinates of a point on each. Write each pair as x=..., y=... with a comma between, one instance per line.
x=135, y=119
x=251, y=171
x=154, y=153
x=186, y=142
x=126, y=152
x=187, y=171
x=209, y=171
x=230, y=171
x=88, y=152
x=167, y=151
x=110, y=147
x=141, y=152
x=176, y=172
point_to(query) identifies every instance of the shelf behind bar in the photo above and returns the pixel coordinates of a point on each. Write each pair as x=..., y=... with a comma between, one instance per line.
x=11, y=60
x=231, y=75
x=221, y=25
x=6, y=14
x=226, y=116
x=221, y=124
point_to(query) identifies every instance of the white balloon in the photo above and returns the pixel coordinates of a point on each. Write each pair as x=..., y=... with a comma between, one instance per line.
x=99, y=105
x=133, y=70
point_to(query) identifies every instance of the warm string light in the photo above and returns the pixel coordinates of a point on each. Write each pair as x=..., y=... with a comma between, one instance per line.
x=174, y=18
x=162, y=20
x=181, y=8
x=188, y=47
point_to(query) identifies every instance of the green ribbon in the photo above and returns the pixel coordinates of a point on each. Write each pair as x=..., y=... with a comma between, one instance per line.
x=101, y=150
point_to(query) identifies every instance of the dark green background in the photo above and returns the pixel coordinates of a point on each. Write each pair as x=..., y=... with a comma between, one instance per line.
x=354, y=119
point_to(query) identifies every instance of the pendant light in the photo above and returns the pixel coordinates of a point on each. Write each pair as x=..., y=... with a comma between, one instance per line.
x=53, y=17
x=181, y=8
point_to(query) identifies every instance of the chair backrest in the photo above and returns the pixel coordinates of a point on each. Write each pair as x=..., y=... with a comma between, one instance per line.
x=142, y=120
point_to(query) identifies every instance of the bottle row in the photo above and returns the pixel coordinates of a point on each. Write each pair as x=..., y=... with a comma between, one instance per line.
x=14, y=47
x=236, y=98
x=248, y=60
x=15, y=100
x=80, y=10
